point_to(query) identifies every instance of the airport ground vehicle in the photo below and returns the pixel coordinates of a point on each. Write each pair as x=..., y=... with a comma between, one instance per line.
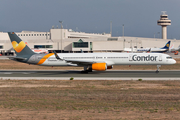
x=175, y=52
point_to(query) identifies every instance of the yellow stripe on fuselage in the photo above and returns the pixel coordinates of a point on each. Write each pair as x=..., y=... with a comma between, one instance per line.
x=45, y=58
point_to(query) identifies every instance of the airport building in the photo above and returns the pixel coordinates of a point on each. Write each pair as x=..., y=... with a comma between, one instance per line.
x=69, y=41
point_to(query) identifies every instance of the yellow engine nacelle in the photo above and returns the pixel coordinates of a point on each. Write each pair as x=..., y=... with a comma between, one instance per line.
x=99, y=66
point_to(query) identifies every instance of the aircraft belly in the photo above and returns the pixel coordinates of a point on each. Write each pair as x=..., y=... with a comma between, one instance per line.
x=54, y=63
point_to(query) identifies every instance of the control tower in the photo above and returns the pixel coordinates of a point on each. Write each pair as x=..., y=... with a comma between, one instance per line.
x=164, y=22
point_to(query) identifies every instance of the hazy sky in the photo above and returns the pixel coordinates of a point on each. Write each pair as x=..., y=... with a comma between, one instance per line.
x=93, y=16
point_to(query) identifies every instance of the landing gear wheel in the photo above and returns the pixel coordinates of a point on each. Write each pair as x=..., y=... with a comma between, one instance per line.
x=158, y=68
x=85, y=72
x=90, y=70
x=157, y=71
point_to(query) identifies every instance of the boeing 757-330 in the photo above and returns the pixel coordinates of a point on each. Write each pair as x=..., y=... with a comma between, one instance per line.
x=90, y=61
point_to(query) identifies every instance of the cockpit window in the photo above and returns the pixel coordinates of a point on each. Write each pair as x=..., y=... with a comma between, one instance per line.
x=168, y=57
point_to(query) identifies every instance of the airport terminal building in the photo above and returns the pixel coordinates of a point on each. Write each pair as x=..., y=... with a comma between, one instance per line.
x=69, y=41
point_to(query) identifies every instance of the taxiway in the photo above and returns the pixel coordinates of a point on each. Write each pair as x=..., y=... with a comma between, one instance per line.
x=103, y=75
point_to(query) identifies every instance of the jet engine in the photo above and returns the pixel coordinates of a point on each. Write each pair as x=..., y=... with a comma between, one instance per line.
x=99, y=66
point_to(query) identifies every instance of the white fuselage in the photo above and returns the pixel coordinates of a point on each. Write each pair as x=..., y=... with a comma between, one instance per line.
x=77, y=59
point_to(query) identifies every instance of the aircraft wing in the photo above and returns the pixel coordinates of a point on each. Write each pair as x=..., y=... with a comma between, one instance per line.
x=78, y=62
x=87, y=62
x=83, y=62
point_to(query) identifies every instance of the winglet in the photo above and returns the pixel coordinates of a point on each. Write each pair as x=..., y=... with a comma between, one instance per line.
x=56, y=55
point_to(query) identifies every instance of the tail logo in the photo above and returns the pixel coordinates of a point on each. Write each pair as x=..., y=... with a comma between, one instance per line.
x=167, y=45
x=18, y=47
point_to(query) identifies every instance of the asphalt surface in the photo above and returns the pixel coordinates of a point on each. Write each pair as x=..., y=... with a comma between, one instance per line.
x=101, y=75
x=91, y=75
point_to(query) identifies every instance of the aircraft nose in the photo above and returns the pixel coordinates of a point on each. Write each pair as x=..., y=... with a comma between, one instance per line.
x=174, y=61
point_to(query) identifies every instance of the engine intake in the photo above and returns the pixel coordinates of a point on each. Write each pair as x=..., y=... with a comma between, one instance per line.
x=109, y=67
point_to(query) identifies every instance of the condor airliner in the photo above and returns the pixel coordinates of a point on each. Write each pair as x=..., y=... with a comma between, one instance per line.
x=90, y=61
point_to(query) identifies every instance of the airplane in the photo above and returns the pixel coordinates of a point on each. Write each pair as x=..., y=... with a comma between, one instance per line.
x=40, y=50
x=172, y=49
x=154, y=50
x=90, y=61
x=163, y=49
x=37, y=50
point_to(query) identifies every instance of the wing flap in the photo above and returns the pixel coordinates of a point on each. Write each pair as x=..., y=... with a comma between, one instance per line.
x=83, y=62
x=87, y=62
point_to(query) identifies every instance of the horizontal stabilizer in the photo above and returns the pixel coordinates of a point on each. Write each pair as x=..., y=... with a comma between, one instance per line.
x=17, y=58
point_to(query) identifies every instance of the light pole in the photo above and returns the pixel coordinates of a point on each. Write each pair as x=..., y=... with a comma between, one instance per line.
x=123, y=36
x=61, y=24
x=123, y=30
x=111, y=28
x=158, y=35
x=124, y=44
x=61, y=34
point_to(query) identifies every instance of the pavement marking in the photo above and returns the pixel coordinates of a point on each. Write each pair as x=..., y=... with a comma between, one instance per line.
x=81, y=78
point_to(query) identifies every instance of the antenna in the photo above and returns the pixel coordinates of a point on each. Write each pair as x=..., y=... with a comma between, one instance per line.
x=163, y=12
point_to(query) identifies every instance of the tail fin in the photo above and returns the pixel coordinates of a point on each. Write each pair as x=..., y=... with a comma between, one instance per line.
x=21, y=49
x=172, y=46
x=167, y=45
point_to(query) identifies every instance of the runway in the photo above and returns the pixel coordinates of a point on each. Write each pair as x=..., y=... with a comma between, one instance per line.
x=95, y=75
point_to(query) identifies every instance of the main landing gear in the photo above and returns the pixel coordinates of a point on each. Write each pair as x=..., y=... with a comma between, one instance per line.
x=86, y=69
x=158, y=68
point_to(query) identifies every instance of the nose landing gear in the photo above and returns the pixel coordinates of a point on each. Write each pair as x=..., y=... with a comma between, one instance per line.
x=158, y=68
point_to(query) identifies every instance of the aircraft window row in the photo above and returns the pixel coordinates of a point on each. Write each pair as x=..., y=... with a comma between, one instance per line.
x=78, y=57
x=169, y=57
x=33, y=34
x=116, y=57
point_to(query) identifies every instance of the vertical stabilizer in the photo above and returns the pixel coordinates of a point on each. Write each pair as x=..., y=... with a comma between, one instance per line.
x=167, y=45
x=20, y=48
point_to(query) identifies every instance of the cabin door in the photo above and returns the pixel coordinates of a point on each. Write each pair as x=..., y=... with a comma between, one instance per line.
x=130, y=57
